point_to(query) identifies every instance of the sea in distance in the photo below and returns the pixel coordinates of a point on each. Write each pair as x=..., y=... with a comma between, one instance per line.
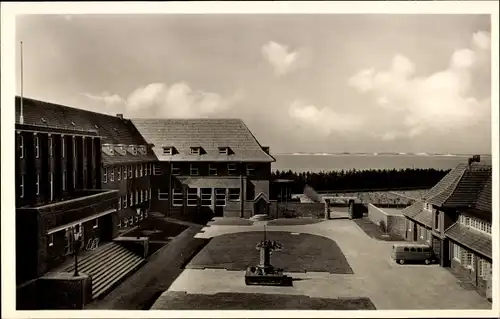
x=317, y=162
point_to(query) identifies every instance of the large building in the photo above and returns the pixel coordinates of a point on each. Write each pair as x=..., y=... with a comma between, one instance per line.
x=207, y=167
x=76, y=172
x=454, y=217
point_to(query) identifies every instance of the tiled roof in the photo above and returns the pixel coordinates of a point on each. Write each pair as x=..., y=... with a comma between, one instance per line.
x=209, y=134
x=443, y=189
x=470, y=238
x=484, y=200
x=211, y=182
x=468, y=188
x=114, y=130
x=117, y=158
x=416, y=212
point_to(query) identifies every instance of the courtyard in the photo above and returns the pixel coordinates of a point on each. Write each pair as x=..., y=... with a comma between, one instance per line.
x=334, y=265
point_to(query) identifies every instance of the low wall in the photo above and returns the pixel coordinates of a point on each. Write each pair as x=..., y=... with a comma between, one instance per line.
x=394, y=223
x=64, y=291
x=27, y=296
x=297, y=210
x=137, y=245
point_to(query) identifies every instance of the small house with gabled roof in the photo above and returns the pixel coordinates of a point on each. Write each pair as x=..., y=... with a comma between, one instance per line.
x=209, y=167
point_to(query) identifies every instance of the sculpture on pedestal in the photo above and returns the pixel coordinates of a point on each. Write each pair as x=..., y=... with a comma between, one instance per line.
x=264, y=273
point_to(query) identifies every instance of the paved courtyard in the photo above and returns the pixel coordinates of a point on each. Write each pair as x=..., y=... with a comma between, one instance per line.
x=375, y=276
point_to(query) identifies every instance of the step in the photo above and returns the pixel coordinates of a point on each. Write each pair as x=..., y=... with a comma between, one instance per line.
x=116, y=279
x=105, y=258
x=104, y=271
x=96, y=255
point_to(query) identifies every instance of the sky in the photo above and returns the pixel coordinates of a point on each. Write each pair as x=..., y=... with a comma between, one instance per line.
x=301, y=83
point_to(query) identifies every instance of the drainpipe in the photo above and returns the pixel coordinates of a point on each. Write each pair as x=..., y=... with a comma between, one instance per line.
x=242, y=194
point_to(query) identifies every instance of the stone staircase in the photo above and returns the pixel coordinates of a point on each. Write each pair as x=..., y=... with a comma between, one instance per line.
x=108, y=266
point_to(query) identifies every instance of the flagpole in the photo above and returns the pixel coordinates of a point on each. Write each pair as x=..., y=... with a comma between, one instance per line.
x=21, y=117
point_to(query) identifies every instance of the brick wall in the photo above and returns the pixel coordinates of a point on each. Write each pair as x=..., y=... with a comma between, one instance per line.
x=63, y=291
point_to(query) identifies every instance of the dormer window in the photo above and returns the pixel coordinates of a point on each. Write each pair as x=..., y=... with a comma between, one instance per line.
x=223, y=150
x=168, y=150
x=195, y=150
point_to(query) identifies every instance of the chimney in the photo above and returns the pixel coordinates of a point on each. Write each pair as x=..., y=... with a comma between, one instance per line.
x=120, y=116
x=266, y=149
x=474, y=158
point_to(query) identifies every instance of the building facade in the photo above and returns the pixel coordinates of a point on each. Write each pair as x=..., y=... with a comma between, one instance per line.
x=454, y=217
x=208, y=167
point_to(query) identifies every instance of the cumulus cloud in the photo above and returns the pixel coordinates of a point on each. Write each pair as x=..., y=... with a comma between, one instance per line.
x=282, y=59
x=161, y=100
x=324, y=120
x=439, y=103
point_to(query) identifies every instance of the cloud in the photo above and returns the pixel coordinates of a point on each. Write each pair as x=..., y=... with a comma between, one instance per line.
x=160, y=100
x=324, y=120
x=281, y=59
x=439, y=103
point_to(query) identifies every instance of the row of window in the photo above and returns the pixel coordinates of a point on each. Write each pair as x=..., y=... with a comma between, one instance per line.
x=64, y=178
x=212, y=170
x=132, y=220
x=467, y=260
x=475, y=223
x=51, y=147
x=69, y=234
x=126, y=172
x=201, y=196
x=134, y=198
x=170, y=150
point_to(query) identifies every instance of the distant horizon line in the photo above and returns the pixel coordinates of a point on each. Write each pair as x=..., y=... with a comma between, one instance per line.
x=382, y=153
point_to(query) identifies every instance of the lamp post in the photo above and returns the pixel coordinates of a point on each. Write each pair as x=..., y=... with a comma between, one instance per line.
x=76, y=237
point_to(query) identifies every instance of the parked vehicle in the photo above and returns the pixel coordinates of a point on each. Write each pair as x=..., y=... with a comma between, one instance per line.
x=412, y=252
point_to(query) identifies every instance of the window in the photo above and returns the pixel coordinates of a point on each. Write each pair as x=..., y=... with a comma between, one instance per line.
x=176, y=170
x=419, y=250
x=231, y=169
x=119, y=203
x=51, y=181
x=136, y=197
x=250, y=170
x=119, y=172
x=467, y=221
x=234, y=194
x=195, y=151
x=131, y=199
x=157, y=170
x=136, y=170
x=140, y=170
x=149, y=193
x=125, y=201
x=50, y=240
x=63, y=147
x=436, y=220
x=162, y=195
x=21, y=187
x=178, y=197
x=212, y=169
x=146, y=194
x=83, y=147
x=141, y=196
x=412, y=249
x=125, y=222
x=50, y=147
x=406, y=249
x=167, y=150
x=422, y=232
x=192, y=197
x=96, y=223
x=112, y=174
x=483, y=267
x=223, y=150
x=150, y=169
x=38, y=184
x=193, y=170
x=124, y=168
x=37, y=146
x=105, y=175
x=206, y=196
x=21, y=146
x=74, y=147
x=64, y=179
x=220, y=197
x=429, y=236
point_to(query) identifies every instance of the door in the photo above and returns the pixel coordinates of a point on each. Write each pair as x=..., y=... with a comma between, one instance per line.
x=261, y=207
x=415, y=233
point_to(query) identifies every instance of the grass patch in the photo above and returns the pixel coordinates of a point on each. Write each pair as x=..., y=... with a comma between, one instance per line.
x=293, y=221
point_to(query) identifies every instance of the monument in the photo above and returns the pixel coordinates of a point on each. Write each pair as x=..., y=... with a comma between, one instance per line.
x=264, y=273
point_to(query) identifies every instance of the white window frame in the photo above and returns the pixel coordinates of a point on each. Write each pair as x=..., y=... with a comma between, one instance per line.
x=175, y=169
x=21, y=146
x=50, y=240
x=136, y=197
x=63, y=147
x=157, y=170
x=120, y=203
x=175, y=201
x=136, y=170
x=194, y=170
x=140, y=170
x=250, y=169
x=146, y=194
x=22, y=186
x=130, y=172
x=131, y=199
x=37, y=183
x=95, y=223
x=436, y=219
x=105, y=175
x=206, y=196
x=124, y=169
x=231, y=169
x=162, y=195
x=457, y=253
x=74, y=147
x=112, y=174
x=37, y=146
x=51, y=181
x=195, y=150
x=125, y=201
x=167, y=150
x=141, y=193
x=190, y=200
x=231, y=197
x=119, y=173
x=212, y=171
x=150, y=193
x=223, y=150
x=220, y=196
